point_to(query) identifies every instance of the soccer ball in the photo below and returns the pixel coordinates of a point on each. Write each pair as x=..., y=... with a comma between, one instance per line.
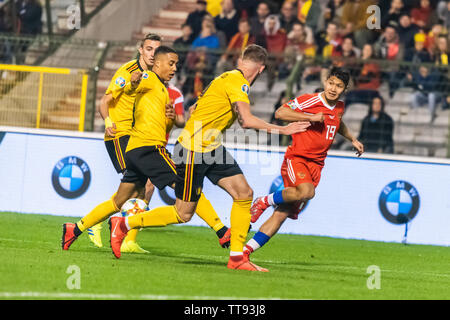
x=133, y=206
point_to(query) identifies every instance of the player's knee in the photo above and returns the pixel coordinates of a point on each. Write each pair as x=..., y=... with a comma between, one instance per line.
x=304, y=193
x=244, y=194
x=149, y=187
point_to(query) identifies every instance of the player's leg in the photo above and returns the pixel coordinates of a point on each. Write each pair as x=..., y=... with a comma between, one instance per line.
x=299, y=187
x=72, y=231
x=116, y=150
x=242, y=194
x=272, y=225
x=129, y=244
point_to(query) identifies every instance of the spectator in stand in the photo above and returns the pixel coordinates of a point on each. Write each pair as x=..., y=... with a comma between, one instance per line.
x=418, y=54
x=426, y=89
x=441, y=58
x=333, y=12
x=377, y=129
x=182, y=45
x=207, y=37
x=276, y=40
x=424, y=16
x=300, y=45
x=246, y=8
x=443, y=12
x=354, y=19
x=397, y=8
x=309, y=12
x=6, y=26
x=367, y=80
x=432, y=37
x=406, y=31
x=287, y=16
x=257, y=23
x=388, y=47
x=228, y=20
x=442, y=52
x=328, y=41
x=346, y=55
x=30, y=15
x=237, y=44
x=195, y=18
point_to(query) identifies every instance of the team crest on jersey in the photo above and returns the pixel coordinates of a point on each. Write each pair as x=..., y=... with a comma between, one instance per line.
x=245, y=89
x=301, y=175
x=120, y=82
x=145, y=75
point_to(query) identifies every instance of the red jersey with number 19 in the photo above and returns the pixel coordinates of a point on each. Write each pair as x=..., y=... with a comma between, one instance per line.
x=314, y=143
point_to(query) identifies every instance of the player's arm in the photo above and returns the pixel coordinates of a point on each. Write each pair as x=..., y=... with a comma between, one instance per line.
x=248, y=121
x=107, y=102
x=287, y=114
x=132, y=85
x=345, y=132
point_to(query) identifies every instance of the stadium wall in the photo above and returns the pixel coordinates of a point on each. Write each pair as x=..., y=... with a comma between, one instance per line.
x=65, y=173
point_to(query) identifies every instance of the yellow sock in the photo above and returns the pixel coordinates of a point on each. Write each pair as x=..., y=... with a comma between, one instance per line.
x=158, y=217
x=206, y=211
x=98, y=214
x=240, y=221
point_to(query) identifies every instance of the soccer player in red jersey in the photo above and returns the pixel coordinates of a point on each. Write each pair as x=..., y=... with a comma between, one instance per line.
x=304, y=159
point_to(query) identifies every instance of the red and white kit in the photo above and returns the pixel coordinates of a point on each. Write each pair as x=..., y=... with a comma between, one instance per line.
x=305, y=158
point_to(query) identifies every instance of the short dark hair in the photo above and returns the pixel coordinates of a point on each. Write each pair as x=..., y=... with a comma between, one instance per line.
x=341, y=74
x=151, y=36
x=164, y=50
x=255, y=53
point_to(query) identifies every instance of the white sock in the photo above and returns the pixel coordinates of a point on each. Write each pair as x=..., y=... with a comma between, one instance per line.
x=270, y=199
x=253, y=244
x=235, y=253
x=126, y=224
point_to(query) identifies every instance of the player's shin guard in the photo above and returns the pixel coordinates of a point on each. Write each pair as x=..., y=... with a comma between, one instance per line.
x=240, y=222
x=158, y=217
x=98, y=214
x=206, y=211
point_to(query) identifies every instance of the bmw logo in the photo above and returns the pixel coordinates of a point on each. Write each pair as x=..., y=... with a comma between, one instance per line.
x=399, y=202
x=71, y=177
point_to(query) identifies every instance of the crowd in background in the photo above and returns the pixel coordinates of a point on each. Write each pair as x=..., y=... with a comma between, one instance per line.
x=27, y=21
x=408, y=46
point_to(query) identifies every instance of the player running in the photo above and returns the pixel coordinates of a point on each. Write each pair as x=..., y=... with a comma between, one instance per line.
x=146, y=156
x=200, y=153
x=116, y=108
x=304, y=159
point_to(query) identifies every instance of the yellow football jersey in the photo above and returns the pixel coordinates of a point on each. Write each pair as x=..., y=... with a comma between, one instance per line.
x=122, y=111
x=214, y=114
x=150, y=124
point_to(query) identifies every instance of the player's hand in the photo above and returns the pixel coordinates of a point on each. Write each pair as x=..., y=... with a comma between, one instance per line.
x=111, y=131
x=359, y=147
x=170, y=111
x=136, y=78
x=318, y=117
x=295, y=127
x=192, y=108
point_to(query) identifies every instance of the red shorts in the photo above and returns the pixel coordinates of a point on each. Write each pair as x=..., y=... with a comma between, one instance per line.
x=295, y=171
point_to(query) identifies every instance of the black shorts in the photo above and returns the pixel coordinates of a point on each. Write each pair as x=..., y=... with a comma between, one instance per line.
x=150, y=162
x=193, y=167
x=116, y=150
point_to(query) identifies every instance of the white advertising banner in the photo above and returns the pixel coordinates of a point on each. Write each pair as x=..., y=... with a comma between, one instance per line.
x=371, y=198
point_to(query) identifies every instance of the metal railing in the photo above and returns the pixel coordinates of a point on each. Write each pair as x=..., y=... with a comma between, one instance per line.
x=43, y=97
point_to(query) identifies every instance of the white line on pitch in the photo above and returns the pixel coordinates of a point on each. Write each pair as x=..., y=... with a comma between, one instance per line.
x=69, y=295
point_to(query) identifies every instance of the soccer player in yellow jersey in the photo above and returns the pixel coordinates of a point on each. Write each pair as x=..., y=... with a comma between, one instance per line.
x=199, y=153
x=116, y=108
x=146, y=156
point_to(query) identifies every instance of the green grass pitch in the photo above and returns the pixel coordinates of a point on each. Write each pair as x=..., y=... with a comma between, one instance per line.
x=187, y=263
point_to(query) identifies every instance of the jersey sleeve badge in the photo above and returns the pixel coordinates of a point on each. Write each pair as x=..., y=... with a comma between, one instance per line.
x=120, y=82
x=245, y=88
